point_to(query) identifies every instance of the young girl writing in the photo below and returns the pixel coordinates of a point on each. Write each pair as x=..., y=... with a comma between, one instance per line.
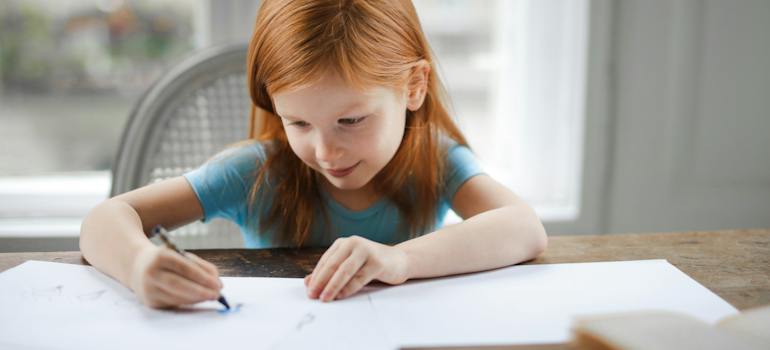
x=351, y=147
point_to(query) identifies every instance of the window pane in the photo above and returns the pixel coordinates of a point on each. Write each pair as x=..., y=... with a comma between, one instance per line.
x=70, y=72
x=461, y=34
x=514, y=71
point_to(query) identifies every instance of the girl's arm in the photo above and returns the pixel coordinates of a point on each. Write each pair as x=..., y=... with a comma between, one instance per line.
x=499, y=230
x=113, y=238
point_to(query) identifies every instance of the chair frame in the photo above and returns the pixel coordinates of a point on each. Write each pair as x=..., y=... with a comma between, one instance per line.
x=130, y=171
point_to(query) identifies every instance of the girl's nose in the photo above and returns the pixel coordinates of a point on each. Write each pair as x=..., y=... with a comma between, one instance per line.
x=327, y=151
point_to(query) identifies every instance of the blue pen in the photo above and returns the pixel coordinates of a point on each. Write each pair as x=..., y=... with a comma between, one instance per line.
x=162, y=233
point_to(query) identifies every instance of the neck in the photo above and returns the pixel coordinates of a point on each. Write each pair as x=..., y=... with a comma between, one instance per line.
x=357, y=199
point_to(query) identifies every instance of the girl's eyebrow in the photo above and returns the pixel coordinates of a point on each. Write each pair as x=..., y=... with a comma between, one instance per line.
x=345, y=114
x=355, y=106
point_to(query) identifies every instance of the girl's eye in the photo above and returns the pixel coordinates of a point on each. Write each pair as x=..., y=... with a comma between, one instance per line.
x=351, y=121
x=300, y=124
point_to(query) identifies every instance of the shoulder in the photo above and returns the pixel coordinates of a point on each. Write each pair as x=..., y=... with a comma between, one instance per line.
x=237, y=163
x=247, y=152
x=460, y=165
x=242, y=158
x=223, y=182
x=457, y=155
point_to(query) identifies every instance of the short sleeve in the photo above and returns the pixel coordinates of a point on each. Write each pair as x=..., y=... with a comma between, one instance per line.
x=461, y=165
x=222, y=184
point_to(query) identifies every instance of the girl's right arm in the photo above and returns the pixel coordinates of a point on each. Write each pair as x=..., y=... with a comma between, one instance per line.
x=113, y=238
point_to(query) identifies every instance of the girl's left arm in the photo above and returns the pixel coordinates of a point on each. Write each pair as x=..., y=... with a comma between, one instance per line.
x=499, y=230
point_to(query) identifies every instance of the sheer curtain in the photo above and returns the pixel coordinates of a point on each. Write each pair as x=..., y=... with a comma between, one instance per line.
x=537, y=135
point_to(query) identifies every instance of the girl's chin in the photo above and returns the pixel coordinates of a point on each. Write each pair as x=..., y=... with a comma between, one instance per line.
x=351, y=182
x=345, y=184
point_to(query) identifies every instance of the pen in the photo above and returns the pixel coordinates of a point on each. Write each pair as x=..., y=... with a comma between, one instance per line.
x=162, y=233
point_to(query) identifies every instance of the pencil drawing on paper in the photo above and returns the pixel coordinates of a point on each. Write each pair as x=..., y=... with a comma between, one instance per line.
x=91, y=296
x=44, y=293
x=306, y=320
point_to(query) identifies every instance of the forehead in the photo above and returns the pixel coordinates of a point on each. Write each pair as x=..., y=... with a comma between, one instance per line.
x=330, y=97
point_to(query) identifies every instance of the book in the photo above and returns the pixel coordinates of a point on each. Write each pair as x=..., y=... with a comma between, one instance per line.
x=670, y=330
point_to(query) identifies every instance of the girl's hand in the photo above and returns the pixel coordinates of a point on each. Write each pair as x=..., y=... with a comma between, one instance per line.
x=351, y=263
x=162, y=278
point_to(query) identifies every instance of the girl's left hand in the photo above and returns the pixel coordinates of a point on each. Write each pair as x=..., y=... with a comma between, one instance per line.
x=350, y=264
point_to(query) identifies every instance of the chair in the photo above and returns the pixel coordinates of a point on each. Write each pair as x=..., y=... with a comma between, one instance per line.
x=191, y=113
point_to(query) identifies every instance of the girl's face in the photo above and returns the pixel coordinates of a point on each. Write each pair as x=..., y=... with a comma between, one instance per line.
x=345, y=134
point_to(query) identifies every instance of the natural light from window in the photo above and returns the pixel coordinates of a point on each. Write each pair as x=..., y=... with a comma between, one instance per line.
x=70, y=71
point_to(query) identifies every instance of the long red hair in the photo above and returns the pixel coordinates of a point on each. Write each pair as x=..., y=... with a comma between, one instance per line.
x=368, y=43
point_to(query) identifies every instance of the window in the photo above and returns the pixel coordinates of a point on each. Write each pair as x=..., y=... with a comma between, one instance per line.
x=70, y=71
x=515, y=72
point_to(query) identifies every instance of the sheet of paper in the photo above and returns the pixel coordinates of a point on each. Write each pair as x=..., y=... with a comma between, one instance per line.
x=536, y=303
x=61, y=306
x=345, y=324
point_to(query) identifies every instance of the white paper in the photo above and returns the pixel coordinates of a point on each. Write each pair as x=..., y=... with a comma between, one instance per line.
x=532, y=304
x=61, y=306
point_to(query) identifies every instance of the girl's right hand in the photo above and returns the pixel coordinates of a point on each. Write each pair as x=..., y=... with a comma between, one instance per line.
x=162, y=278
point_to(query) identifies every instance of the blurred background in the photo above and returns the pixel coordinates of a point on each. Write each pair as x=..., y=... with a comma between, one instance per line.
x=606, y=116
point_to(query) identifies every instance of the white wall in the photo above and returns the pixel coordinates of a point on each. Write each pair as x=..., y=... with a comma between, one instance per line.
x=681, y=91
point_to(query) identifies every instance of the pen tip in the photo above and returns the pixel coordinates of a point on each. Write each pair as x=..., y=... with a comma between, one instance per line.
x=224, y=302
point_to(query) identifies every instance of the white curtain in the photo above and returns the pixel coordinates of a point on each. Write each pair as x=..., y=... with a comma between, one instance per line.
x=537, y=143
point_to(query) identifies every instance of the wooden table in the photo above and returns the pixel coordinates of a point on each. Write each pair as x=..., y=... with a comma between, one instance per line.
x=734, y=264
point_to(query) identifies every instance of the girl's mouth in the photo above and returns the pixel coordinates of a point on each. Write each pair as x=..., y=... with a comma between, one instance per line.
x=342, y=172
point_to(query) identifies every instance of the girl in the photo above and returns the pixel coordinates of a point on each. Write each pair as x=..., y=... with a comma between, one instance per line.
x=351, y=146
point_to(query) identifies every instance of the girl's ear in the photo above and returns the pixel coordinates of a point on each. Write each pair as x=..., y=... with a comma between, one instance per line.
x=417, y=85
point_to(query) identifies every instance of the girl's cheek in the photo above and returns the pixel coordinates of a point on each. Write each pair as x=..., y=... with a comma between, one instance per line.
x=302, y=149
x=307, y=156
x=367, y=136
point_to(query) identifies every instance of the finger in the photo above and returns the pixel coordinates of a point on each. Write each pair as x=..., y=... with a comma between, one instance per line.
x=162, y=300
x=307, y=280
x=187, y=268
x=325, y=272
x=325, y=257
x=361, y=279
x=209, y=267
x=323, y=261
x=344, y=273
x=184, y=291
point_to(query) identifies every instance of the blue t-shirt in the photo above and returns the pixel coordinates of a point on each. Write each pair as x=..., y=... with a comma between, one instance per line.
x=223, y=184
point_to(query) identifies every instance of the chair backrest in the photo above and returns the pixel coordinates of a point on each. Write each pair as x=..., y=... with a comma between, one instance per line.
x=191, y=113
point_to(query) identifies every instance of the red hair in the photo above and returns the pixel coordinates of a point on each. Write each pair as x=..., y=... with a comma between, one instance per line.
x=368, y=43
